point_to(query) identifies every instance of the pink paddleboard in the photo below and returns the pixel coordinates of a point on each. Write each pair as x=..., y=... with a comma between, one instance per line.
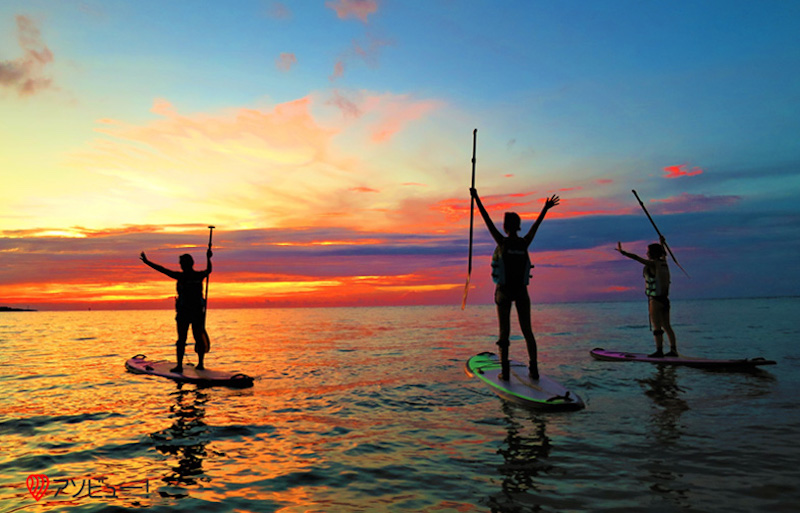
x=139, y=364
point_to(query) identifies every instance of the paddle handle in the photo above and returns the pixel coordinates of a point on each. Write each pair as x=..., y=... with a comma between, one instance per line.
x=208, y=278
x=647, y=213
x=660, y=236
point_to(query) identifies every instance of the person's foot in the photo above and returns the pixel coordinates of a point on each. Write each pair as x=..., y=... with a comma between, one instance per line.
x=672, y=354
x=177, y=370
x=533, y=371
x=657, y=354
x=504, y=377
x=200, y=367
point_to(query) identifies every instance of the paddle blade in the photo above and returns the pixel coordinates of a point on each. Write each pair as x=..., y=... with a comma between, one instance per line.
x=466, y=291
x=203, y=345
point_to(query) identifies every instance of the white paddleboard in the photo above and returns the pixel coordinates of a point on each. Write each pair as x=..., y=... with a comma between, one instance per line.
x=543, y=393
x=139, y=364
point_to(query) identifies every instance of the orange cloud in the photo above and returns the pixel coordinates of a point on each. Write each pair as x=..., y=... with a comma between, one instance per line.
x=678, y=171
x=293, y=164
x=359, y=9
x=239, y=162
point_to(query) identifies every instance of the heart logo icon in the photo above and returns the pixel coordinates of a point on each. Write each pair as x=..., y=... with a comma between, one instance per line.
x=38, y=485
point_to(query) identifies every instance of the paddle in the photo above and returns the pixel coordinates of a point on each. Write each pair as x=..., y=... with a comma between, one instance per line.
x=471, y=220
x=661, y=237
x=206, y=339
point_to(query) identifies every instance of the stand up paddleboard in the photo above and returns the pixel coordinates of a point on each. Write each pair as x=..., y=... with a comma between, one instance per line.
x=542, y=393
x=747, y=364
x=139, y=364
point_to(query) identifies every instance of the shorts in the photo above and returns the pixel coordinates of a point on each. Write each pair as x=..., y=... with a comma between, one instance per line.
x=507, y=295
x=189, y=316
x=661, y=300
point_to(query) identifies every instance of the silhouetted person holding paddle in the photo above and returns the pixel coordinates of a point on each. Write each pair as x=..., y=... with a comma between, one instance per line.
x=657, y=279
x=189, y=305
x=511, y=268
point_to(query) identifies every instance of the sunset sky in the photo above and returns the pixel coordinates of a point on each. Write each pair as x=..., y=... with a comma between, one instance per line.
x=330, y=143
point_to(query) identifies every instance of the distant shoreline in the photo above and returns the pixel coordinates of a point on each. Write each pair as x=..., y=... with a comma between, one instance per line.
x=9, y=309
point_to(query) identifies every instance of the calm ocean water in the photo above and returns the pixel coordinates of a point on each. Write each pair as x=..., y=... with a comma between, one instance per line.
x=368, y=409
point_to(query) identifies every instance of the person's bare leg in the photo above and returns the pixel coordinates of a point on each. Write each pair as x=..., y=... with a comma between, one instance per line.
x=524, y=315
x=504, y=321
x=180, y=346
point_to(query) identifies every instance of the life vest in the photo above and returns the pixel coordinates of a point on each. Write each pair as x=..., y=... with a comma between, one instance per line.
x=511, y=264
x=190, y=292
x=657, y=285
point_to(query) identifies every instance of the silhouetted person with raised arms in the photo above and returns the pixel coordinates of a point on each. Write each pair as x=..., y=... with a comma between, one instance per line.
x=189, y=305
x=657, y=279
x=511, y=266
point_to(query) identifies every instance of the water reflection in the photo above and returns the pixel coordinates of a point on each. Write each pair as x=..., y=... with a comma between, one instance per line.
x=662, y=388
x=186, y=439
x=663, y=468
x=525, y=452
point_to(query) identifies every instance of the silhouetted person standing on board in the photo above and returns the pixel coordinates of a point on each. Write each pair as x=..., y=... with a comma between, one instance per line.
x=189, y=305
x=657, y=279
x=511, y=268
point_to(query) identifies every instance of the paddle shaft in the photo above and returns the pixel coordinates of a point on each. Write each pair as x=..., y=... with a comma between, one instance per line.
x=471, y=220
x=208, y=278
x=472, y=201
x=660, y=236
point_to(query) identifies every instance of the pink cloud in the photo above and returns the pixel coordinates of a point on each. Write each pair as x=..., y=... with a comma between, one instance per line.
x=278, y=11
x=348, y=107
x=394, y=113
x=338, y=70
x=27, y=74
x=285, y=61
x=369, y=53
x=360, y=9
x=363, y=189
x=678, y=171
x=619, y=288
